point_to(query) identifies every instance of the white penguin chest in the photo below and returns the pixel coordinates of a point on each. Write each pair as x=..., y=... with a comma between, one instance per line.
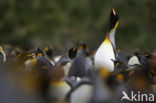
x=104, y=56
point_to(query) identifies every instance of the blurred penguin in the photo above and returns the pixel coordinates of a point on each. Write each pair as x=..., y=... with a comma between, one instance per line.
x=138, y=60
x=82, y=92
x=49, y=53
x=81, y=66
x=59, y=85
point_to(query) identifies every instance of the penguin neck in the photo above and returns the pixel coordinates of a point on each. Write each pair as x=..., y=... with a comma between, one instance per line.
x=81, y=52
x=107, y=39
x=112, y=34
x=112, y=37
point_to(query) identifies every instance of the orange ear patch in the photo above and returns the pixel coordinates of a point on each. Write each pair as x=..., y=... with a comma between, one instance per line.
x=39, y=54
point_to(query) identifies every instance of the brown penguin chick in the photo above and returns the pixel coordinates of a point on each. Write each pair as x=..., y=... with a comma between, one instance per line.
x=139, y=79
x=57, y=73
x=152, y=67
x=58, y=88
x=152, y=63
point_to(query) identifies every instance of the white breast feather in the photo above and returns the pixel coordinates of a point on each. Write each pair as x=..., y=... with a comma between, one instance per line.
x=104, y=55
x=133, y=60
x=82, y=94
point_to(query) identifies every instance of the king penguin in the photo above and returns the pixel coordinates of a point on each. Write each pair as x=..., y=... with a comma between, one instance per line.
x=106, y=53
x=81, y=66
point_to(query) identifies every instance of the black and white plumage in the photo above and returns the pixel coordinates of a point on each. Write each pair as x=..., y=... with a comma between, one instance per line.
x=138, y=60
x=107, y=50
x=81, y=66
x=82, y=92
x=101, y=93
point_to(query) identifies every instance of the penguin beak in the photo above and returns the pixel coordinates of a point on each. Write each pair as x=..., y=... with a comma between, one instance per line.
x=113, y=11
x=4, y=56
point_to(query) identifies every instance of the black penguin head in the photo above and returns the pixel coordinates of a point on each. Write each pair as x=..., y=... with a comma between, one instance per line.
x=72, y=52
x=147, y=55
x=136, y=53
x=82, y=46
x=38, y=52
x=84, y=50
x=114, y=18
x=48, y=51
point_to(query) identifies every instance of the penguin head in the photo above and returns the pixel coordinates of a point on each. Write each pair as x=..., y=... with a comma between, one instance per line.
x=18, y=53
x=72, y=53
x=136, y=53
x=38, y=52
x=35, y=53
x=83, y=50
x=147, y=55
x=114, y=19
x=48, y=51
x=82, y=46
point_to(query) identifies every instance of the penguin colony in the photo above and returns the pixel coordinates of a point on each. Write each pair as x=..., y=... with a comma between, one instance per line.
x=78, y=76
